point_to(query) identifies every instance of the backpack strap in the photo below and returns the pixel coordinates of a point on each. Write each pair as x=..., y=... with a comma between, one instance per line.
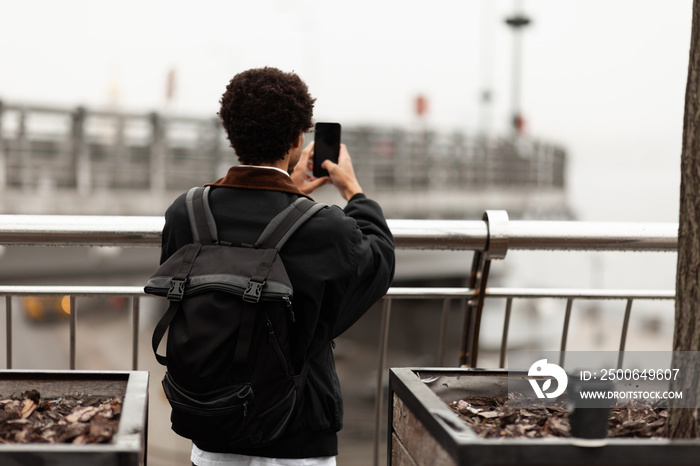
x=284, y=224
x=201, y=219
x=203, y=229
x=161, y=327
x=273, y=237
x=175, y=295
x=280, y=228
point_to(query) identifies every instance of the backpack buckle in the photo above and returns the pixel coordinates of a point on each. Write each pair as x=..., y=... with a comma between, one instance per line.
x=254, y=291
x=176, y=290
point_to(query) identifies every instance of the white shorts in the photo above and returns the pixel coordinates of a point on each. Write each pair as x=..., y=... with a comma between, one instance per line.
x=206, y=458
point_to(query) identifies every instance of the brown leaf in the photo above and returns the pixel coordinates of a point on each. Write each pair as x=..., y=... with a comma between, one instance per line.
x=27, y=408
x=488, y=414
x=82, y=414
x=102, y=429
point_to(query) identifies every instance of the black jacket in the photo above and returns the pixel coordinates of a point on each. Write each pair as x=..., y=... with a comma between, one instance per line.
x=340, y=262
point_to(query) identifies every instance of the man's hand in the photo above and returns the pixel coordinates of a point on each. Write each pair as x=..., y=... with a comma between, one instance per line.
x=301, y=175
x=342, y=174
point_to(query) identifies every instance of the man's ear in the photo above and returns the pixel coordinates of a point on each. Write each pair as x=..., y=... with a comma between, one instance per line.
x=299, y=141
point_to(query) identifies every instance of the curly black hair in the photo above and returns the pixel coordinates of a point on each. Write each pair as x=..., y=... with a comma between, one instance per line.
x=263, y=111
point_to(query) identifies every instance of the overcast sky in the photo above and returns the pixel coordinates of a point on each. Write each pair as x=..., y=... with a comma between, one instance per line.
x=603, y=78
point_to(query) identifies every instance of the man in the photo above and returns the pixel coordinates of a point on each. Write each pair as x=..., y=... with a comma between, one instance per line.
x=340, y=261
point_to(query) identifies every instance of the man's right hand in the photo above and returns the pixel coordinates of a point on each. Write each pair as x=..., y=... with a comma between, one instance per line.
x=342, y=174
x=301, y=175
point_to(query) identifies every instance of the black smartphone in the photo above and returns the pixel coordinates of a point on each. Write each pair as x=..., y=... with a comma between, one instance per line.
x=326, y=146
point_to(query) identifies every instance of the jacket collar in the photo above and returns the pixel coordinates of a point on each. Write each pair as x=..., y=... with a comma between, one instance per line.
x=258, y=178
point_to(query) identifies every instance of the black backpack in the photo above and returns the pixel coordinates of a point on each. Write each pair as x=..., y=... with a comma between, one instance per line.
x=229, y=371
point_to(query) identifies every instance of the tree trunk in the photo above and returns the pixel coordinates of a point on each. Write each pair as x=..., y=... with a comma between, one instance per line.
x=683, y=423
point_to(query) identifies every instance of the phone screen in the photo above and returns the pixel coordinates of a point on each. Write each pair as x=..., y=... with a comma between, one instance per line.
x=326, y=146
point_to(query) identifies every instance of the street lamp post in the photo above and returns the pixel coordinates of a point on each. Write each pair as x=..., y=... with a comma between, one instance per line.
x=517, y=22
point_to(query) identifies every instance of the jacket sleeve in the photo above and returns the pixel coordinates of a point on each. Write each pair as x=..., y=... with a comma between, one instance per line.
x=374, y=261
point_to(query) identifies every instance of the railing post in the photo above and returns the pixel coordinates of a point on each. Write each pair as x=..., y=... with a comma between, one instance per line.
x=218, y=165
x=73, y=324
x=158, y=176
x=135, y=324
x=504, y=338
x=625, y=328
x=474, y=306
x=383, y=345
x=120, y=164
x=24, y=153
x=3, y=157
x=8, y=330
x=83, y=170
x=565, y=330
x=444, y=327
x=496, y=248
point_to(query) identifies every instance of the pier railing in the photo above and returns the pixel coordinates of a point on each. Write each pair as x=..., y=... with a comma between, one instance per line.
x=48, y=149
x=490, y=239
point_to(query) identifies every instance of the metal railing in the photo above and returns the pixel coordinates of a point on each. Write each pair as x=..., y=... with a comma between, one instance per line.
x=88, y=149
x=73, y=292
x=490, y=239
x=466, y=235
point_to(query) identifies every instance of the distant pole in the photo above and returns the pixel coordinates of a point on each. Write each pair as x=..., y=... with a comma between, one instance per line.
x=517, y=21
x=486, y=68
x=170, y=90
x=3, y=159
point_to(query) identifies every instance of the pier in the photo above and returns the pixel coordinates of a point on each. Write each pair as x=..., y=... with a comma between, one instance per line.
x=72, y=161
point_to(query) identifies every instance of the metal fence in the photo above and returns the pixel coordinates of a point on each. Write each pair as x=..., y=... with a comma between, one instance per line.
x=45, y=147
x=490, y=239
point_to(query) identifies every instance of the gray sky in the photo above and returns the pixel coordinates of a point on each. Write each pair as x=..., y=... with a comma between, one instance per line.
x=604, y=78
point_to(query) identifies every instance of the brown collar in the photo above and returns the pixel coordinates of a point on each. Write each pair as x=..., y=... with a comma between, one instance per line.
x=258, y=178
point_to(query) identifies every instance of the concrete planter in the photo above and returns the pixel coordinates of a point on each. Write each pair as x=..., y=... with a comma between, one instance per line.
x=127, y=447
x=423, y=430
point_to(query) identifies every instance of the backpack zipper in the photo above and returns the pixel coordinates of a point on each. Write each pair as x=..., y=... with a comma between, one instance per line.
x=276, y=345
x=288, y=301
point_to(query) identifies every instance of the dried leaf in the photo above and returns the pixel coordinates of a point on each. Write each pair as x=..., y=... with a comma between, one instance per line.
x=82, y=414
x=27, y=408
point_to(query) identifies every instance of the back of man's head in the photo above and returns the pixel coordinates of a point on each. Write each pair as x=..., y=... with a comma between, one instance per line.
x=264, y=111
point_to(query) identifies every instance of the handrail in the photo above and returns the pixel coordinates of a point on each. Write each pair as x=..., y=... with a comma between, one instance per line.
x=394, y=292
x=473, y=235
x=80, y=230
x=69, y=290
